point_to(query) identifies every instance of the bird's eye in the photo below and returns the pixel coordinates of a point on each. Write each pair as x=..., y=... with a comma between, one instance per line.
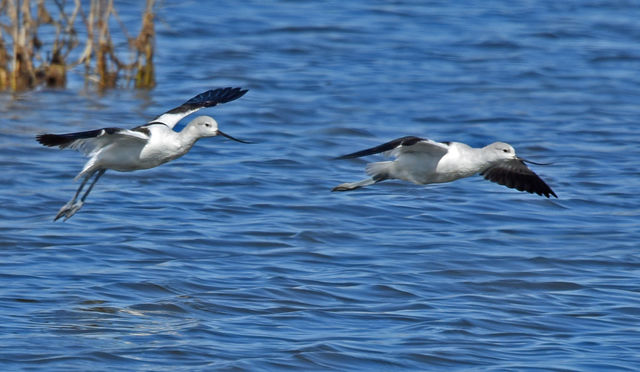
x=505, y=150
x=207, y=125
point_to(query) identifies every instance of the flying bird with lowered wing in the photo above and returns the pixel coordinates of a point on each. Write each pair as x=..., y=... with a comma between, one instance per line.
x=423, y=161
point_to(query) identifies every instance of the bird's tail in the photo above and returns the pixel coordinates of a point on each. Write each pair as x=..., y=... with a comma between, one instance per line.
x=380, y=170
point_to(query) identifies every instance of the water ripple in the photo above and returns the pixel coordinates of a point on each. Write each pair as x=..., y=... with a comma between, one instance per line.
x=238, y=257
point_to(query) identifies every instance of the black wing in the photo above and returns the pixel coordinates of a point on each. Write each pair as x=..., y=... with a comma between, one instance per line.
x=209, y=98
x=404, y=141
x=90, y=140
x=516, y=175
x=65, y=140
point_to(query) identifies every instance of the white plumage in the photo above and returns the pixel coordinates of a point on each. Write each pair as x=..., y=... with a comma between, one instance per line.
x=423, y=161
x=142, y=147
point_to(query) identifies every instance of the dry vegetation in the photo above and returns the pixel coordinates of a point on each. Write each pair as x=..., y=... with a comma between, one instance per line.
x=23, y=65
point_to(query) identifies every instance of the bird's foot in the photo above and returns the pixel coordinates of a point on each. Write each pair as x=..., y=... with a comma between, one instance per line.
x=348, y=186
x=69, y=210
x=345, y=187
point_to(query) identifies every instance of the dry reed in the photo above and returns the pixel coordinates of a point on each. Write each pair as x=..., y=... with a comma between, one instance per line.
x=23, y=67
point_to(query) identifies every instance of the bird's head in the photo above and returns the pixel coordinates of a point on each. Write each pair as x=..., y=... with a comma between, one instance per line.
x=501, y=151
x=206, y=126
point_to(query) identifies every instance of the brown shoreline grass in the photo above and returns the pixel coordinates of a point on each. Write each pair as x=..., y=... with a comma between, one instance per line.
x=22, y=66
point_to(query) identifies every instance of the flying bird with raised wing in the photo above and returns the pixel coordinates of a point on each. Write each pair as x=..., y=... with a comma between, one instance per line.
x=143, y=147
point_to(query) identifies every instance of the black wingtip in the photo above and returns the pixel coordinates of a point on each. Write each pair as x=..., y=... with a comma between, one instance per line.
x=228, y=94
x=52, y=140
x=348, y=156
x=213, y=97
x=239, y=92
x=242, y=92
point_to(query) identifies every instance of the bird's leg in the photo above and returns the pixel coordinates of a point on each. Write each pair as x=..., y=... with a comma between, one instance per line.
x=73, y=205
x=100, y=173
x=348, y=186
x=65, y=208
x=77, y=205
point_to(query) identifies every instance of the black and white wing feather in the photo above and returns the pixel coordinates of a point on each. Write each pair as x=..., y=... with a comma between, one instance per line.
x=87, y=142
x=516, y=175
x=402, y=145
x=209, y=98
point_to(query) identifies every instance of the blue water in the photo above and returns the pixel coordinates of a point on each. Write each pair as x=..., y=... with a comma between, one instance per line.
x=238, y=257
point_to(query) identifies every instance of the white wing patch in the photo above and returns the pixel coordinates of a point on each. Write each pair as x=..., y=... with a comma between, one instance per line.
x=171, y=119
x=89, y=146
x=424, y=146
x=209, y=98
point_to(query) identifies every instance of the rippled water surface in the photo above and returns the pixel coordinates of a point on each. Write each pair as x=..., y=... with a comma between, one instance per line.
x=238, y=257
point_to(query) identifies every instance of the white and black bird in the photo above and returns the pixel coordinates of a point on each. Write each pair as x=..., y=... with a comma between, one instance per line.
x=423, y=161
x=142, y=147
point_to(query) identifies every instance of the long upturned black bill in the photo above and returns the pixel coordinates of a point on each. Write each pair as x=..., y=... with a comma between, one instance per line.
x=532, y=162
x=231, y=138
